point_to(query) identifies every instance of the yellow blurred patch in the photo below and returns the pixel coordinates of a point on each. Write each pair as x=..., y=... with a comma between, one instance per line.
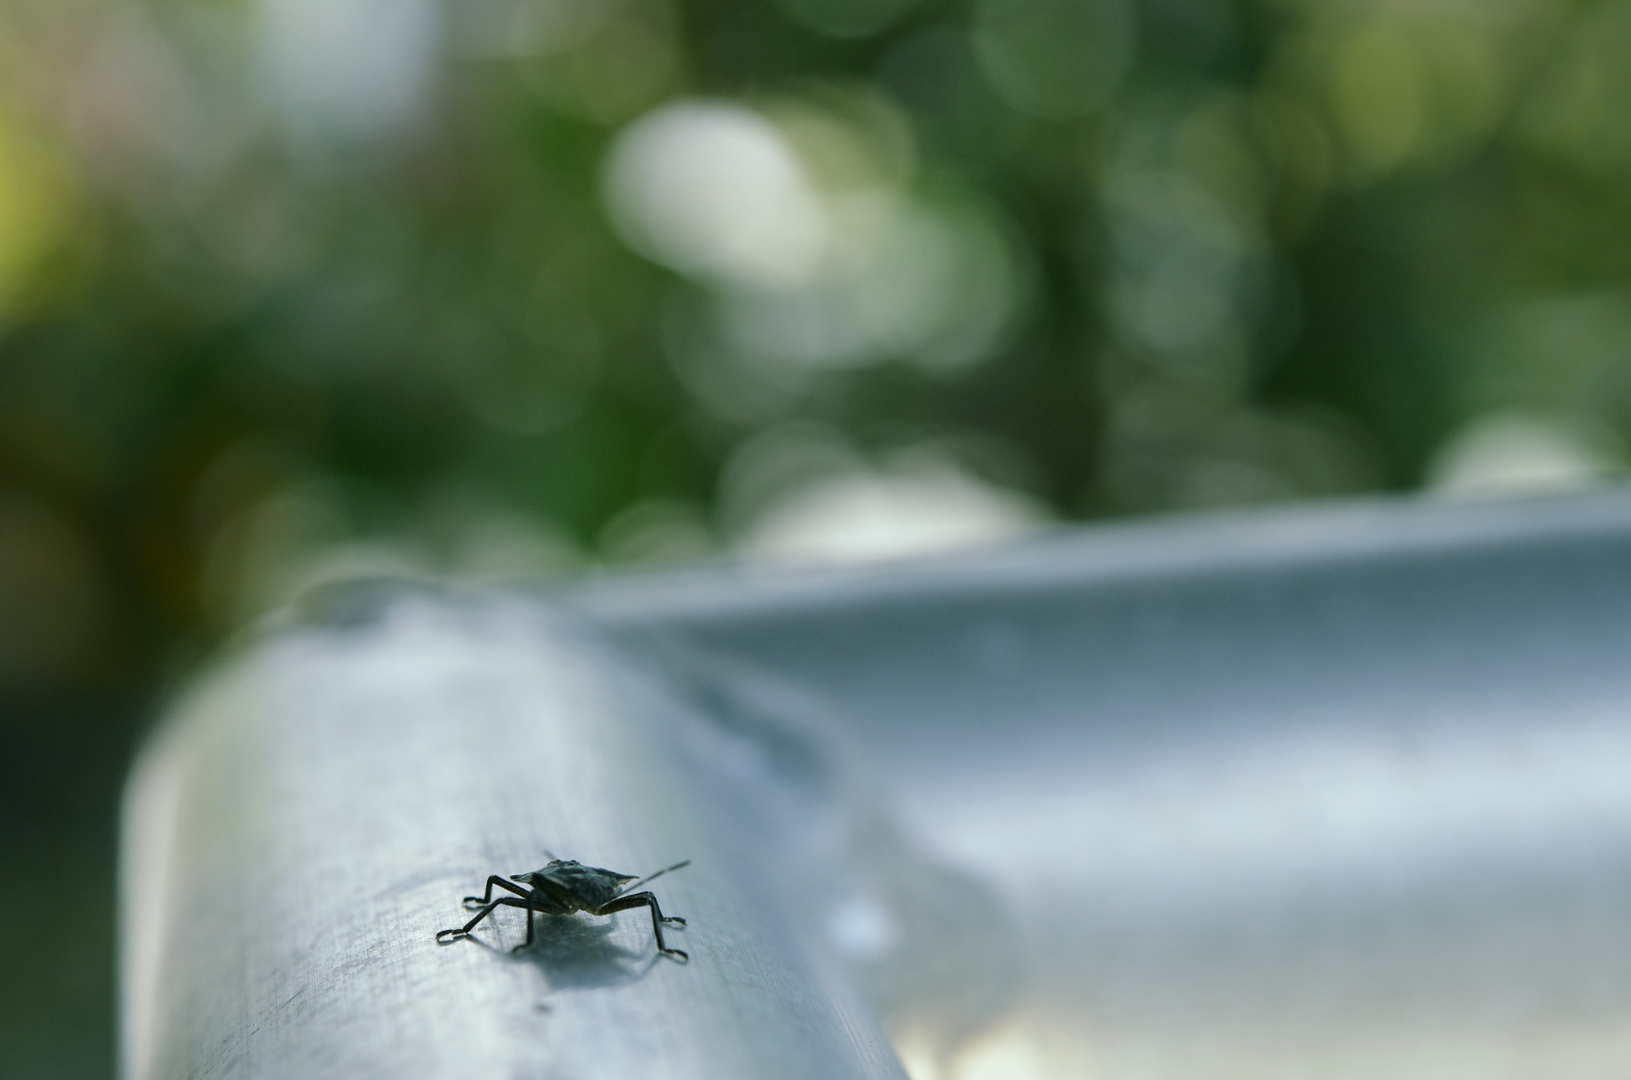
x=39, y=218
x=1379, y=90
x=1418, y=92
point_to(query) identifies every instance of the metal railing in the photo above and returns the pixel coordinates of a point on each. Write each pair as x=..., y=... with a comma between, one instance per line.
x=1338, y=791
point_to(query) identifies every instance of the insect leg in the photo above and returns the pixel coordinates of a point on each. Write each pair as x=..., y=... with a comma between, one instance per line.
x=473, y=902
x=645, y=899
x=532, y=898
x=444, y=937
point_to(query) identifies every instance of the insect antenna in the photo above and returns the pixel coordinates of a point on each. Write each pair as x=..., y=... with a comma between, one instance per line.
x=653, y=877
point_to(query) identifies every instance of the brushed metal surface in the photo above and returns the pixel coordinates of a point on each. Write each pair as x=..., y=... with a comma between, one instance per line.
x=315, y=810
x=1336, y=792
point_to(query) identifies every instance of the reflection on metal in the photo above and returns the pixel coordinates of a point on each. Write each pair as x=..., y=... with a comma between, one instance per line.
x=1336, y=793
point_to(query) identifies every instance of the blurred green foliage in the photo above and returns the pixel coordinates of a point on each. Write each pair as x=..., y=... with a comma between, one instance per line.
x=294, y=287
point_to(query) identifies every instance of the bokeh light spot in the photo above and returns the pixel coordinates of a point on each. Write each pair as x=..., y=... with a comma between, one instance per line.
x=36, y=215
x=1580, y=108
x=801, y=495
x=714, y=189
x=349, y=67
x=1380, y=91
x=1055, y=58
x=1509, y=453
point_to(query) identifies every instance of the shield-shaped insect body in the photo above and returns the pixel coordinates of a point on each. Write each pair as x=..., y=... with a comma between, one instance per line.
x=565, y=886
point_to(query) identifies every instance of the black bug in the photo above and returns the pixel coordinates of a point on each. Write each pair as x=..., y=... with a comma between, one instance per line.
x=565, y=886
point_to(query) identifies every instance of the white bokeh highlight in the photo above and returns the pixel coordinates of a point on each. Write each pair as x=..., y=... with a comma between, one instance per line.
x=815, y=251
x=1506, y=454
x=349, y=67
x=713, y=189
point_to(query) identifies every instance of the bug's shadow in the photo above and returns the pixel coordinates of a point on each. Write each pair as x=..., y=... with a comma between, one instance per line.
x=576, y=953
